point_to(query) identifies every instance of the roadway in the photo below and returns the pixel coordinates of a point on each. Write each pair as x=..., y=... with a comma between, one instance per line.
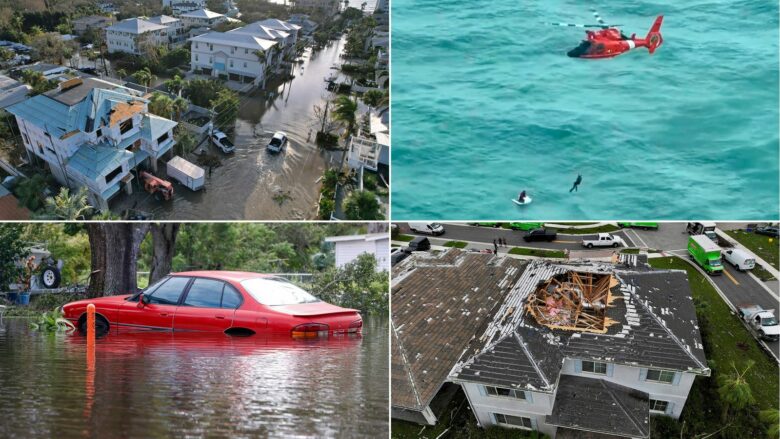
x=486, y=235
x=737, y=287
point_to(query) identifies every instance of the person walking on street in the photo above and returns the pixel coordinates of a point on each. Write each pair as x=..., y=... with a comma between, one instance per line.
x=495, y=247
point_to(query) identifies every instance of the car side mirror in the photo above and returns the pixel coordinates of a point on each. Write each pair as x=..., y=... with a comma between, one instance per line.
x=143, y=300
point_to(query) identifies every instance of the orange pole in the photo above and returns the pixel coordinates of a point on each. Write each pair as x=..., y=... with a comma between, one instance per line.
x=90, y=378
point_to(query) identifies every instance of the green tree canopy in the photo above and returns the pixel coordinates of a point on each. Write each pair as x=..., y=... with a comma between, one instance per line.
x=362, y=205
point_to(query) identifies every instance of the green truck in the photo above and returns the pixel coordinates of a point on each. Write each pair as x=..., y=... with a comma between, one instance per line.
x=706, y=253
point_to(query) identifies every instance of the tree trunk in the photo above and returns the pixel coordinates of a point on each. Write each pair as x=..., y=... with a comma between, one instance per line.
x=377, y=227
x=114, y=249
x=163, y=242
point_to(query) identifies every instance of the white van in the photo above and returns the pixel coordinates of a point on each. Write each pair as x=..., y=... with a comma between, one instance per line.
x=740, y=259
x=434, y=229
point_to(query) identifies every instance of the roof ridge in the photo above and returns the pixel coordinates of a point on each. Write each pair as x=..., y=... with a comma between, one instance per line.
x=527, y=353
x=658, y=320
x=610, y=387
x=406, y=363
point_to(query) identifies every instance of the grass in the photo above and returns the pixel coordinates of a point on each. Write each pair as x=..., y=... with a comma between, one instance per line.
x=606, y=228
x=456, y=244
x=537, y=252
x=405, y=238
x=728, y=340
x=761, y=273
x=760, y=245
x=630, y=251
x=575, y=224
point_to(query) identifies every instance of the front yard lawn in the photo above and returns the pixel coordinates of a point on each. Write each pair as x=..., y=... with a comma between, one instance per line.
x=456, y=244
x=759, y=244
x=542, y=253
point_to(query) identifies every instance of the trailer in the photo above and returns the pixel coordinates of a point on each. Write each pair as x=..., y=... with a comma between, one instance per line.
x=186, y=173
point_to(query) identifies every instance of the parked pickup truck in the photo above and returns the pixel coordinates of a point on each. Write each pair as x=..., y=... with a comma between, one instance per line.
x=762, y=321
x=603, y=240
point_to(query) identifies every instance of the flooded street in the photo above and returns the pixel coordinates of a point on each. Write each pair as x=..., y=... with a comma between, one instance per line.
x=251, y=183
x=154, y=384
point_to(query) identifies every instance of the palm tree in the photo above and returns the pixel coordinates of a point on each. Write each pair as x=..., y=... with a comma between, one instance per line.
x=362, y=205
x=179, y=107
x=735, y=391
x=373, y=98
x=771, y=417
x=121, y=73
x=65, y=206
x=175, y=85
x=144, y=77
x=344, y=111
x=161, y=105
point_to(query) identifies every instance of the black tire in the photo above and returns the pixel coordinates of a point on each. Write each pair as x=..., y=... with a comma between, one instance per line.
x=50, y=277
x=614, y=245
x=101, y=325
x=590, y=245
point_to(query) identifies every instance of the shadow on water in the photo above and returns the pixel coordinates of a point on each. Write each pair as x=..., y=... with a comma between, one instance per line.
x=155, y=384
x=252, y=183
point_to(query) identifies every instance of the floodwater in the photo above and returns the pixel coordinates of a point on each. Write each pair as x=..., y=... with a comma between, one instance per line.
x=161, y=384
x=251, y=183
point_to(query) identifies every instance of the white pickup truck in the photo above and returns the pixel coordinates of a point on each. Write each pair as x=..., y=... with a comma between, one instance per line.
x=603, y=240
x=762, y=321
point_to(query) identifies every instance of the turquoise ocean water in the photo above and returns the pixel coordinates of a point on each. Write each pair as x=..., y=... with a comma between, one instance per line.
x=486, y=103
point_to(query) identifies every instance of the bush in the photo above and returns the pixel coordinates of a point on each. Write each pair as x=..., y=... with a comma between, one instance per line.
x=326, y=140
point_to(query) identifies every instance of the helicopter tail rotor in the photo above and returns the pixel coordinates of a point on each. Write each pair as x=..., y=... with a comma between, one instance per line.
x=654, y=38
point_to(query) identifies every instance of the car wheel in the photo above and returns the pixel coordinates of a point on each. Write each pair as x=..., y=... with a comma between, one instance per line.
x=101, y=325
x=614, y=244
x=590, y=245
x=50, y=277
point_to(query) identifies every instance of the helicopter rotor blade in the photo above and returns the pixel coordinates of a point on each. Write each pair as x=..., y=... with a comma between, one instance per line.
x=577, y=25
x=598, y=17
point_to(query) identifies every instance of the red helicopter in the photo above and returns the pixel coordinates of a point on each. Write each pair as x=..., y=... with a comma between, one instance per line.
x=611, y=41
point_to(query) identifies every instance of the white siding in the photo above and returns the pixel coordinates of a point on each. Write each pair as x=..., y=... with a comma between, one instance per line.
x=382, y=253
x=632, y=377
x=536, y=408
x=348, y=251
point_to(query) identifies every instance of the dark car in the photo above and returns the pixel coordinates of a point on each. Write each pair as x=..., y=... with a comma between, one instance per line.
x=767, y=230
x=398, y=255
x=548, y=235
x=419, y=244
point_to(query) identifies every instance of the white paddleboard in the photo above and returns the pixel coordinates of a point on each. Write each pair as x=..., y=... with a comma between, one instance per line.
x=527, y=201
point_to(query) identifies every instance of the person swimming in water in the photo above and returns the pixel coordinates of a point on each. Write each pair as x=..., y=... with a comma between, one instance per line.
x=521, y=197
x=576, y=183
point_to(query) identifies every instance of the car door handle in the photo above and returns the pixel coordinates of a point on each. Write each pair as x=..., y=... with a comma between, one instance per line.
x=164, y=314
x=220, y=317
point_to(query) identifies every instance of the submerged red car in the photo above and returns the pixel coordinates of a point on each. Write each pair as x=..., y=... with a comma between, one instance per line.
x=219, y=301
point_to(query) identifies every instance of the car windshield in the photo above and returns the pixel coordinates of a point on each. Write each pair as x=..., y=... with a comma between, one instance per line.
x=275, y=292
x=148, y=290
x=276, y=141
x=769, y=321
x=435, y=225
x=715, y=262
x=225, y=141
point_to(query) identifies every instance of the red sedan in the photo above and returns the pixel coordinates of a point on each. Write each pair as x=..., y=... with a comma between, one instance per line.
x=219, y=301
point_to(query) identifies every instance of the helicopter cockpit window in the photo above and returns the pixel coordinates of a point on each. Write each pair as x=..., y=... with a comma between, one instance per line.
x=580, y=50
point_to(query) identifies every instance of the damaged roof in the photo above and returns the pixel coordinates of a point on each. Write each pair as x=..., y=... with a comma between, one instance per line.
x=440, y=305
x=654, y=325
x=600, y=406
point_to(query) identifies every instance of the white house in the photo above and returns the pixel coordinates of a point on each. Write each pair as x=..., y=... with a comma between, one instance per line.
x=202, y=17
x=91, y=133
x=566, y=348
x=179, y=7
x=348, y=248
x=372, y=150
x=134, y=34
x=239, y=57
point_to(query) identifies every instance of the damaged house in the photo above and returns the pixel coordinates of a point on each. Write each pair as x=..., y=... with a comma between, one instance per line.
x=566, y=348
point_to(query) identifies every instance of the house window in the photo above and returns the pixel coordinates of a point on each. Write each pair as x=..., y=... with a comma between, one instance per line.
x=98, y=133
x=658, y=406
x=663, y=376
x=196, y=57
x=505, y=393
x=246, y=51
x=244, y=64
x=231, y=63
x=196, y=45
x=113, y=174
x=126, y=126
x=211, y=59
x=594, y=367
x=162, y=138
x=514, y=421
x=211, y=47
